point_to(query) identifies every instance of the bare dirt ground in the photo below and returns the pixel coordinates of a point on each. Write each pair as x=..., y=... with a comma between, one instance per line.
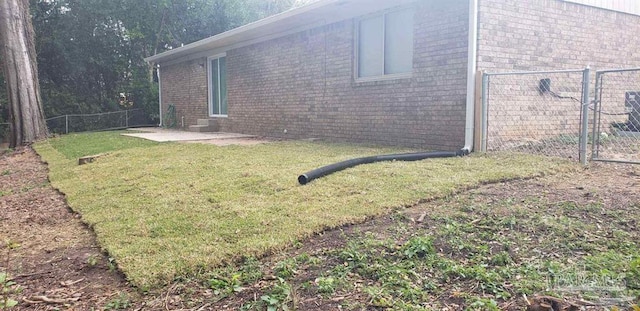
x=615, y=186
x=59, y=265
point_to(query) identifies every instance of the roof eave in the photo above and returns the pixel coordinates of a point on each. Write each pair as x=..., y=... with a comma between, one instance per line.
x=185, y=50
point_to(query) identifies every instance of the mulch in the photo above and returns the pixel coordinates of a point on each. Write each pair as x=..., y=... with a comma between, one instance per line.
x=58, y=263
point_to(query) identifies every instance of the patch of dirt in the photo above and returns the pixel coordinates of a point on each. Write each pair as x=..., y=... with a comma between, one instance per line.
x=614, y=186
x=58, y=264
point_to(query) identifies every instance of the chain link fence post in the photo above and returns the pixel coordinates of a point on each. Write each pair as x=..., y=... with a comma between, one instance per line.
x=584, y=128
x=483, y=123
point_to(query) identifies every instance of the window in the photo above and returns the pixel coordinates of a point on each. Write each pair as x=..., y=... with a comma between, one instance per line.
x=385, y=44
x=217, y=86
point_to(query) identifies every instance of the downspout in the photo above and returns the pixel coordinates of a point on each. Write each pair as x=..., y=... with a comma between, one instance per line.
x=159, y=94
x=471, y=75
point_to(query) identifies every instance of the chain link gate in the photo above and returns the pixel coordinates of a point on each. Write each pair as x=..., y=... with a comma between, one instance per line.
x=616, y=116
x=536, y=112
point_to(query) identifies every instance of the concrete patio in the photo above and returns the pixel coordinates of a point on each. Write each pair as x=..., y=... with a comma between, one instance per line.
x=170, y=135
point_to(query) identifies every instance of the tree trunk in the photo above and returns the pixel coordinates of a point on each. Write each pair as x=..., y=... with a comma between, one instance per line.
x=27, y=123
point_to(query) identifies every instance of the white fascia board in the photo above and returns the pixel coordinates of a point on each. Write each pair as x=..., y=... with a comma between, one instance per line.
x=312, y=15
x=240, y=30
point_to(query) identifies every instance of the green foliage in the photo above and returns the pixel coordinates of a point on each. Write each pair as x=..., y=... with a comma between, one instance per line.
x=225, y=286
x=633, y=276
x=7, y=286
x=251, y=270
x=92, y=260
x=501, y=259
x=230, y=280
x=326, y=285
x=111, y=264
x=378, y=297
x=89, y=51
x=286, y=269
x=418, y=247
x=483, y=304
x=279, y=297
x=121, y=302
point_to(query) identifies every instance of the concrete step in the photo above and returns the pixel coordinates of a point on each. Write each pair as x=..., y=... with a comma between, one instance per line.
x=205, y=122
x=201, y=128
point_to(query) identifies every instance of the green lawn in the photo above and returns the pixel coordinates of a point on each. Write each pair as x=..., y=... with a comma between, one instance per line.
x=164, y=211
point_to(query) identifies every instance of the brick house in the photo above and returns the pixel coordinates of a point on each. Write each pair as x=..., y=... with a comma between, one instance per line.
x=394, y=72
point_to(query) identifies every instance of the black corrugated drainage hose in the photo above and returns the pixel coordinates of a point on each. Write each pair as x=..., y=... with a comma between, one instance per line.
x=332, y=168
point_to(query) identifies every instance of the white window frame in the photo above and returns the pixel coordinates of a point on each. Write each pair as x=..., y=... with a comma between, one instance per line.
x=356, y=43
x=210, y=88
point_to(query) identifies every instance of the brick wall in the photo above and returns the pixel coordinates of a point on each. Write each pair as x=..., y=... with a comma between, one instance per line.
x=185, y=86
x=554, y=34
x=538, y=35
x=304, y=83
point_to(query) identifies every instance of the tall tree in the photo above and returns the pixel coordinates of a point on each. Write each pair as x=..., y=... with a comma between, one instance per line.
x=20, y=70
x=89, y=51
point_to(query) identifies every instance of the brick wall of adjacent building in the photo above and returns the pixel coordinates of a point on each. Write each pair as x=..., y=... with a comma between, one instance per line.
x=539, y=35
x=304, y=84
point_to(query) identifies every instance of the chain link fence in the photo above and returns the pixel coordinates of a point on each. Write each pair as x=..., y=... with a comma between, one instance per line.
x=90, y=122
x=616, y=115
x=534, y=112
x=98, y=121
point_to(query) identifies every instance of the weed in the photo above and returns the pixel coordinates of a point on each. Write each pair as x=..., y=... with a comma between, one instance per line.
x=326, y=285
x=111, y=263
x=7, y=286
x=306, y=259
x=224, y=287
x=418, y=247
x=633, y=277
x=280, y=297
x=378, y=297
x=297, y=244
x=92, y=260
x=341, y=271
x=400, y=217
x=353, y=255
x=286, y=268
x=483, y=304
x=251, y=270
x=5, y=173
x=501, y=259
x=248, y=306
x=121, y=302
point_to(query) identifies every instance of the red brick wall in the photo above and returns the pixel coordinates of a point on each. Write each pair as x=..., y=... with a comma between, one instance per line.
x=554, y=34
x=517, y=35
x=304, y=83
x=185, y=86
